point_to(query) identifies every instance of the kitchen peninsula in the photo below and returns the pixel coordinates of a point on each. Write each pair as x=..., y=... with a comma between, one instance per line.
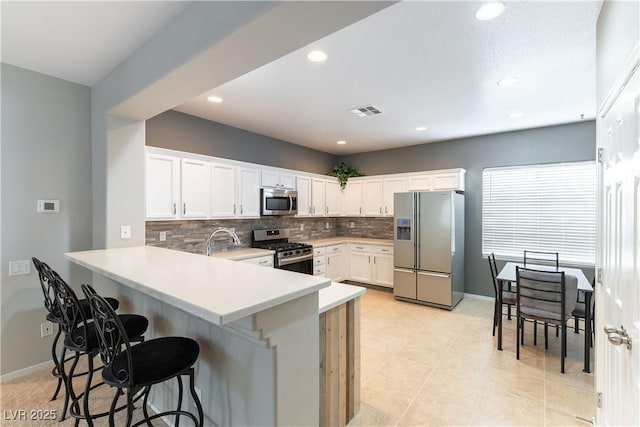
x=258, y=328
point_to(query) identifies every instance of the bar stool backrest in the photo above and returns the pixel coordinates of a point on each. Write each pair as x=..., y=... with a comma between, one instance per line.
x=47, y=276
x=111, y=334
x=72, y=314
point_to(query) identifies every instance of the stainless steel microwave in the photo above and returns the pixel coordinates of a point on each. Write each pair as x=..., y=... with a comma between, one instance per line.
x=275, y=201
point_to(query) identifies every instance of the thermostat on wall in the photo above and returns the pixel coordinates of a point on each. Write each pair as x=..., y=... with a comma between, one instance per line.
x=48, y=206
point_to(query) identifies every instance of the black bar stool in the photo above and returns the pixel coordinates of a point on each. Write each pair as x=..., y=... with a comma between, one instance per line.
x=137, y=368
x=47, y=275
x=81, y=338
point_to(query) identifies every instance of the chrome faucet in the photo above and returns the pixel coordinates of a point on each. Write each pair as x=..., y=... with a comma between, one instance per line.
x=230, y=232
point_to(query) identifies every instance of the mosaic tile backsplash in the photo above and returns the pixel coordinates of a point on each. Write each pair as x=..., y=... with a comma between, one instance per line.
x=190, y=236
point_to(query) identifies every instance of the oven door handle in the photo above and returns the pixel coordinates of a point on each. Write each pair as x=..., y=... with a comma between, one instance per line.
x=290, y=204
x=287, y=261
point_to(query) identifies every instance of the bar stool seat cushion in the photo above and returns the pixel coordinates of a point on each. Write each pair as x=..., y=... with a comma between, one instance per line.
x=154, y=361
x=134, y=324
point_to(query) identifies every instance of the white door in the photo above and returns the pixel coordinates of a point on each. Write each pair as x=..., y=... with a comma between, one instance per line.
x=223, y=191
x=317, y=197
x=304, y=195
x=162, y=186
x=618, y=294
x=390, y=187
x=332, y=198
x=194, y=188
x=383, y=270
x=352, y=199
x=372, y=198
x=248, y=192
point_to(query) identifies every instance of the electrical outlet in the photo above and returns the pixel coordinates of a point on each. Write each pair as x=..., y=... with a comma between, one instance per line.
x=46, y=329
x=326, y=225
x=163, y=236
x=125, y=232
x=301, y=227
x=352, y=224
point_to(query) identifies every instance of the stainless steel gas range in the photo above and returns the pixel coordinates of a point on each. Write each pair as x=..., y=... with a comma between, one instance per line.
x=290, y=256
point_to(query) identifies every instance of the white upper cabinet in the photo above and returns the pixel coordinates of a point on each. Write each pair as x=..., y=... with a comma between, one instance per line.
x=352, y=199
x=390, y=186
x=194, y=188
x=162, y=186
x=303, y=184
x=191, y=186
x=332, y=197
x=449, y=181
x=223, y=191
x=317, y=197
x=248, y=192
x=420, y=183
x=372, y=200
x=278, y=179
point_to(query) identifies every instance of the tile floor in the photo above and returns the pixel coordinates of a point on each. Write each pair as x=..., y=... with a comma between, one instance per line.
x=424, y=366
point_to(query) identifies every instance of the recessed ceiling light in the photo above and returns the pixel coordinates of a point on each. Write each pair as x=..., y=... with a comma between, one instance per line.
x=317, y=56
x=215, y=99
x=489, y=11
x=421, y=128
x=341, y=142
x=515, y=115
x=508, y=81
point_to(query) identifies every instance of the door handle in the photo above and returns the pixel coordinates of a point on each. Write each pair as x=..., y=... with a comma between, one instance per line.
x=240, y=209
x=618, y=336
x=290, y=204
x=421, y=273
x=234, y=209
x=380, y=210
x=174, y=209
x=184, y=208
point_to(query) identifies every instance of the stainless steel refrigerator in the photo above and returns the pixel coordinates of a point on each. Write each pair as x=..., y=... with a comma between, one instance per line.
x=428, y=248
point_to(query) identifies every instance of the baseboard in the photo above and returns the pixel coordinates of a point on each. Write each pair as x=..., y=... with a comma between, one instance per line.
x=481, y=297
x=24, y=371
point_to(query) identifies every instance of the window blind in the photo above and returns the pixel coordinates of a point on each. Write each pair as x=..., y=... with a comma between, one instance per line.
x=549, y=208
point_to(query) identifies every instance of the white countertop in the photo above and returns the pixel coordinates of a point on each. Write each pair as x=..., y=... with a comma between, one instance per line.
x=336, y=294
x=242, y=253
x=217, y=290
x=345, y=239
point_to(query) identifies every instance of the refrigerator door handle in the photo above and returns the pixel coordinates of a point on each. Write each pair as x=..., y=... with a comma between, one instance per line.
x=403, y=270
x=416, y=233
x=447, y=275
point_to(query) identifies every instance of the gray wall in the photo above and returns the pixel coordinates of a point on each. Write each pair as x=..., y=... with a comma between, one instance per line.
x=183, y=132
x=572, y=142
x=46, y=154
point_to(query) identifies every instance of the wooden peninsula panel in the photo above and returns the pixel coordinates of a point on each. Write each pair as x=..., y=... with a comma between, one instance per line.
x=340, y=364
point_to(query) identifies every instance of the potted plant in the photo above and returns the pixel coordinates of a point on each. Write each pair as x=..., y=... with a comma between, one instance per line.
x=343, y=173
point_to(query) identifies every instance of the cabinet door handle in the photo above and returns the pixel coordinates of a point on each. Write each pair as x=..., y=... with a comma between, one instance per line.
x=234, y=209
x=240, y=209
x=309, y=210
x=360, y=209
x=374, y=259
x=184, y=208
x=264, y=262
x=328, y=261
x=174, y=209
x=326, y=209
x=380, y=210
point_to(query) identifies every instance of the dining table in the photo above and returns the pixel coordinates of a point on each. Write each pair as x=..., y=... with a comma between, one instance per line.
x=508, y=274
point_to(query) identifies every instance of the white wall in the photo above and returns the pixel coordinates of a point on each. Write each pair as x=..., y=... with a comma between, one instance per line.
x=46, y=154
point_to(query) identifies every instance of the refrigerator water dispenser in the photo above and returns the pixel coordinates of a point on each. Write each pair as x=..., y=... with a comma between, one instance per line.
x=403, y=229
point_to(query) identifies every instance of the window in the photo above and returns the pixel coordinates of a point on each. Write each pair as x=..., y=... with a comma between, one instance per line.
x=540, y=208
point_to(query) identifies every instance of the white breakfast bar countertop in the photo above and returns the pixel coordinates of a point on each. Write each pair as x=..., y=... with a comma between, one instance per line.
x=336, y=294
x=217, y=290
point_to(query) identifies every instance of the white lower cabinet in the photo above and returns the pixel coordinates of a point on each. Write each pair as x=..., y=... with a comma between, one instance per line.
x=371, y=264
x=360, y=265
x=336, y=262
x=320, y=261
x=263, y=260
x=382, y=272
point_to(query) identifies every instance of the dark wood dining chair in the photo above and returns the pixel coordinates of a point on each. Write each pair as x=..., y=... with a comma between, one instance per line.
x=502, y=297
x=545, y=296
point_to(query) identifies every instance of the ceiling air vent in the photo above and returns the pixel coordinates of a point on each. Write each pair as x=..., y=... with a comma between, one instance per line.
x=367, y=110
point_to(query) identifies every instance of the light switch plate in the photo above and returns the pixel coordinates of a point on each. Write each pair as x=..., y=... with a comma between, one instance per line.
x=19, y=268
x=163, y=236
x=125, y=232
